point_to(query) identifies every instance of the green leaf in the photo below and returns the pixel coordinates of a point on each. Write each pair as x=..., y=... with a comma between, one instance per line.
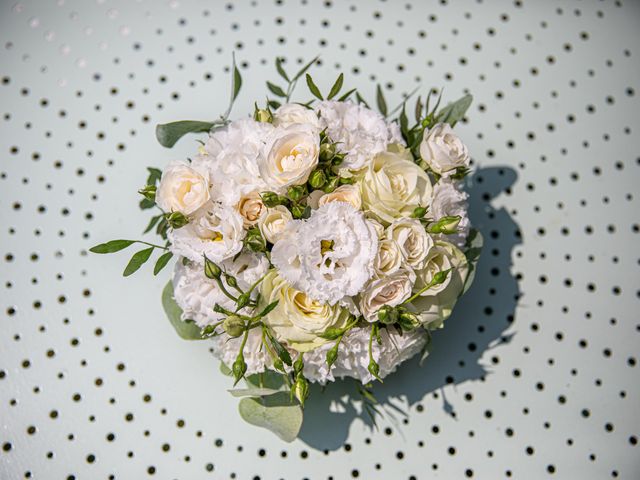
x=404, y=125
x=277, y=413
x=154, y=175
x=475, y=243
x=336, y=87
x=276, y=90
x=455, y=111
x=162, y=262
x=185, y=328
x=268, y=309
x=266, y=379
x=313, y=88
x=304, y=69
x=282, y=352
x=281, y=71
x=146, y=204
x=225, y=370
x=137, y=260
x=347, y=95
x=112, y=246
x=273, y=104
x=382, y=103
x=152, y=223
x=418, y=110
x=253, y=392
x=169, y=133
x=236, y=82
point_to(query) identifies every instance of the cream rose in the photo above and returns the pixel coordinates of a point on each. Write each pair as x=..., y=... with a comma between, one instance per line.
x=294, y=113
x=391, y=290
x=436, y=304
x=273, y=223
x=389, y=258
x=412, y=239
x=345, y=193
x=393, y=187
x=292, y=154
x=297, y=320
x=443, y=151
x=251, y=208
x=182, y=189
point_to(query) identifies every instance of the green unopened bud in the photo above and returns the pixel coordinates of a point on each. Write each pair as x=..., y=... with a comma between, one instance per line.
x=234, y=326
x=418, y=212
x=296, y=192
x=271, y=199
x=298, y=365
x=148, y=192
x=301, y=389
x=176, y=220
x=446, y=225
x=374, y=368
x=408, y=321
x=278, y=365
x=332, y=355
x=327, y=151
x=440, y=277
x=262, y=115
x=211, y=270
x=255, y=241
x=347, y=180
x=300, y=211
x=208, y=330
x=239, y=368
x=331, y=333
x=231, y=280
x=331, y=185
x=388, y=315
x=317, y=179
x=337, y=159
x=243, y=300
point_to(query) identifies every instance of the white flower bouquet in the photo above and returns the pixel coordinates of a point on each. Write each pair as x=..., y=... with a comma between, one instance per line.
x=315, y=240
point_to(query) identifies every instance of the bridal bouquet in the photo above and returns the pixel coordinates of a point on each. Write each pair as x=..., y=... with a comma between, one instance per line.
x=314, y=240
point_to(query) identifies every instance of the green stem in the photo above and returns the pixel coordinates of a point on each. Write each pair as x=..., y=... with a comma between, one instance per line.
x=151, y=244
x=422, y=290
x=224, y=290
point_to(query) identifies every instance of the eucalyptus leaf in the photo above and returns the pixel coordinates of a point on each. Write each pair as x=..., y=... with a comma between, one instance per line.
x=276, y=413
x=186, y=329
x=381, y=102
x=111, y=246
x=336, y=87
x=169, y=133
x=137, y=260
x=266, y=379
x=162, y=262
x=276, y=90
x=252, y=392
x=313, y=88
x=226, y=371
x=455, y=111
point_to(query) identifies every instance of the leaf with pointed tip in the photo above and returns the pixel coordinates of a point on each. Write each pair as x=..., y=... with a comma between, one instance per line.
x=404, y=125
x=236, y=84
x=111, y=246
x=474, y=246
x=137, y=260
x=454, y=112
x=418, y=109
x=277, y=413
x=346, y=95
x=162, y=262
x=185, y=328
x=280, y=70
x=304, y=69
x=335, y=89
x=169, y=133
x=276, y=90
x=313, y=88
x=361, y=100
x=152, y=223
x=252, y=392
x=381, y=102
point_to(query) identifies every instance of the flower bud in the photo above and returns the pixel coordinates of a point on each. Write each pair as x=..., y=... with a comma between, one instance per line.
x=338, y=158
x=408, y=321
x=419, y=212
x=211, y=270
x=176, y=220
x=332, y=355
x=317, y=179
x=231, y=280
x=446, y=225
x=301, y=389
x=331, y=333
x=278, y=365
x=271, y=199
x=255, y=241
x=347, y=180
x=331, y=185
x=327, y=151
x=300, y=211
x=208, y=330
x=243, y=300
x=148, y=192
x=239, y=368
x=262, y=115
x=234, y=326
x=298, y=365
x=387, y=315
x=374, y=368
x=296, y=192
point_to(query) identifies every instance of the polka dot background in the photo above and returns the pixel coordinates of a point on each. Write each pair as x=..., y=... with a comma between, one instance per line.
x=536, y=374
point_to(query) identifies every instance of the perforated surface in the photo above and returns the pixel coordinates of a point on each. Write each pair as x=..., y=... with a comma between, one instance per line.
x=536, y=373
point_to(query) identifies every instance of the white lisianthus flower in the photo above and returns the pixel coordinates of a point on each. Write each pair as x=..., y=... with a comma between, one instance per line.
x=328, y=256
x=390, y=290
x=353, y=355
x=436, y=304
x=274, y=222
x=414, y=242
x=389, y=258
x=448, y=200
x=251, y=208
x=217, y=233
x=231, y=156
x=182, y=188
x=294, y=113
x=359, y=132
x=345, y=193
x=291, y=155
x=393, y=187
x=314, y=198
x=196, y=295
x=443, y=151
x=395, y=134
x=298, y=320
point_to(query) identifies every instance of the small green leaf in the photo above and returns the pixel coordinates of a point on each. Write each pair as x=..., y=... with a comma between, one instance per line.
x=454, y=112
x=268, y=309
x=146, y=204
x=185, y=328
x=361, y=100
x=162, y=262
x=225, y=370
x=137, y=260
x=169, y=133
x=152, y=223
x=304, y=69
x=237, y=81
x=154, y=175
x=336, y=87
x=111, y=246
x=313, y=88
x=274, y=104
x=282, y=352
x=280, y=70
x=347, y=95
x=382, y=103
x=404, y=124
x=474, y=248
x=253, y=392
x=276, y=90
x=418, y=109
x=276, y=413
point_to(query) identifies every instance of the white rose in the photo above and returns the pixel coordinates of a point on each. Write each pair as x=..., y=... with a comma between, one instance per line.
x=297, y=320
x=346, y=193
x=251, y=208
x=389, y=258
x=314, y=197
x=330, y=255
x=443, y=151
x=391, y=290
x=182, y=189
x=216, y=233
x=448, y=200
x=393, y=187
x=436, y=303
x=273, y=223
x=293, y=113
x=292, y=154
x=414, y=242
